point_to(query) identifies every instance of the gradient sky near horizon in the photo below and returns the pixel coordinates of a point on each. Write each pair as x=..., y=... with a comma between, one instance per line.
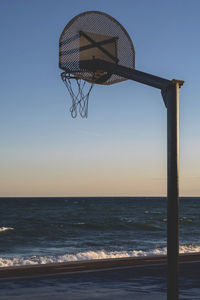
x=120, y=150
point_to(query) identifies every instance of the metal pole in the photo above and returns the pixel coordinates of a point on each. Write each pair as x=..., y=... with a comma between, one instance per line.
x=170, y=94
x=171, y=98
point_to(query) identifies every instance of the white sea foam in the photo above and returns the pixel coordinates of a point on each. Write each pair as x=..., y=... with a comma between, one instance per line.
x=90, y=255
x=5, y=228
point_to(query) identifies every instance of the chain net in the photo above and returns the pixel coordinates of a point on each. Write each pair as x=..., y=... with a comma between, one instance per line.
x=79, y=91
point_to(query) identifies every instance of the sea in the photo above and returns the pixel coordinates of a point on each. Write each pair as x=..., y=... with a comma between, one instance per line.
x=61, y=229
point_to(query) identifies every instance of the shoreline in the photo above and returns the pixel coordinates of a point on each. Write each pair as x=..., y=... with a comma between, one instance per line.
x=61, y=269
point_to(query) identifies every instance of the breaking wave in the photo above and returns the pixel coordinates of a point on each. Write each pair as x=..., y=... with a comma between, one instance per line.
x=5, y=229
x=91, y=255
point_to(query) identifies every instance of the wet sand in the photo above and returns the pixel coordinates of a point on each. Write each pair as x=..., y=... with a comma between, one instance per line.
x=61, y=269
x=125, y=278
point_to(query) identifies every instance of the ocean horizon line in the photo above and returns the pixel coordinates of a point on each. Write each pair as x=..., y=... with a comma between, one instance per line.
x=93, y=197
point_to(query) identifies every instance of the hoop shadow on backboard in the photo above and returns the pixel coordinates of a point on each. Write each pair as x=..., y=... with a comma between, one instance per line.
x=91, y=46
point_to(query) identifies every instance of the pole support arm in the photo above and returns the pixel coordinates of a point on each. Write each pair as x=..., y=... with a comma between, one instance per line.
x=132, y=74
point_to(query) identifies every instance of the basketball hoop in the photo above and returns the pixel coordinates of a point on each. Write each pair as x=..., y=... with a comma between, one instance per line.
x=94, y=47
x=90, y=37
x=76, y=88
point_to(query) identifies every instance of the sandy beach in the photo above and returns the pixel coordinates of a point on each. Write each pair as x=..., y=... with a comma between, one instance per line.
x=128, y=278
x=91, y=265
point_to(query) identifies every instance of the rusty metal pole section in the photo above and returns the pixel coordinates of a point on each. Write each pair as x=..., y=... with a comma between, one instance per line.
x=171, y=98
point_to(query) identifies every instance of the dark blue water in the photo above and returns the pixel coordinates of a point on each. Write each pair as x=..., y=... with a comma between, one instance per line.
x=45, y=230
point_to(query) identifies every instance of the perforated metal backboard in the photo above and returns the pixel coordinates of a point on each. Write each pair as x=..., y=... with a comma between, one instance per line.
x=95, y=35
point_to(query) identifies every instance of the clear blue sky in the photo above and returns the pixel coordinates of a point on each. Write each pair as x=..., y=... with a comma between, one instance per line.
x=121, y=148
